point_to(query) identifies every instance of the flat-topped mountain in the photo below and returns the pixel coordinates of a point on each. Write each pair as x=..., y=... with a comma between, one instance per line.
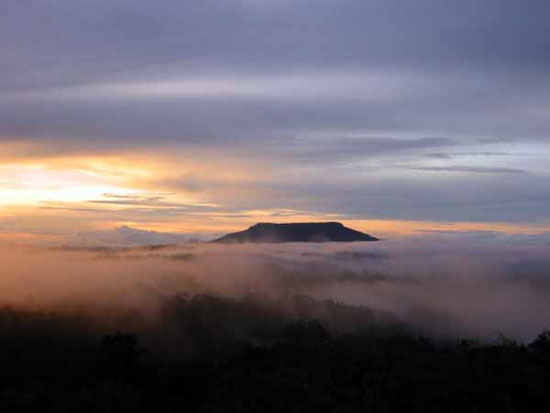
x=297, y=232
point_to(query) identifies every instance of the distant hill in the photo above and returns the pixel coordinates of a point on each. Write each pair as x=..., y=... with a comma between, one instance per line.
x=297, y=232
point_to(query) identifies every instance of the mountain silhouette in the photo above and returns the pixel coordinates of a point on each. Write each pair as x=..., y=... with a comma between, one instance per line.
x=296, y=232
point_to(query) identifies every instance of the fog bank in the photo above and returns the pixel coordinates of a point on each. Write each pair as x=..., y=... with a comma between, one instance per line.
x=440, y=286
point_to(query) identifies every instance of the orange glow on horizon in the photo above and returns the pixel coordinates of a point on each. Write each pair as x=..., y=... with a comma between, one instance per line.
x=416, y=228
x=52, y=196
x=378, y=228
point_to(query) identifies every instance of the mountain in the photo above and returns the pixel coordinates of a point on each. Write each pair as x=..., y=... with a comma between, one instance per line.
x=296, y=232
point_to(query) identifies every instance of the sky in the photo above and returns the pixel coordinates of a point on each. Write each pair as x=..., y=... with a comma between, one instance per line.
x=198, y=117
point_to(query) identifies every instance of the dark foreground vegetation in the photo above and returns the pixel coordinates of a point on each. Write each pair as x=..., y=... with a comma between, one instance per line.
x=236, y=357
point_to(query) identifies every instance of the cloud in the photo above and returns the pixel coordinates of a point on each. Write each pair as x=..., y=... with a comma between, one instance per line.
x=466, y=79
x=444, y=155
x=128, y=236
x=340, y=85
x=422, y=282
x=155, y=201
x=470, y=169
x=323, y=106
x=128, y=36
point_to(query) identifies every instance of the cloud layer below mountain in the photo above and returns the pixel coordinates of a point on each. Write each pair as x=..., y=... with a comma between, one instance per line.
x=445, y=287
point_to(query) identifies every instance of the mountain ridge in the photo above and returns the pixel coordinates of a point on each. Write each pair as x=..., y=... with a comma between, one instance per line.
x=265, y=232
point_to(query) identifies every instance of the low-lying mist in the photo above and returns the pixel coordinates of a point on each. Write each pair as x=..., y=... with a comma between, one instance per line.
x=439, y=288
